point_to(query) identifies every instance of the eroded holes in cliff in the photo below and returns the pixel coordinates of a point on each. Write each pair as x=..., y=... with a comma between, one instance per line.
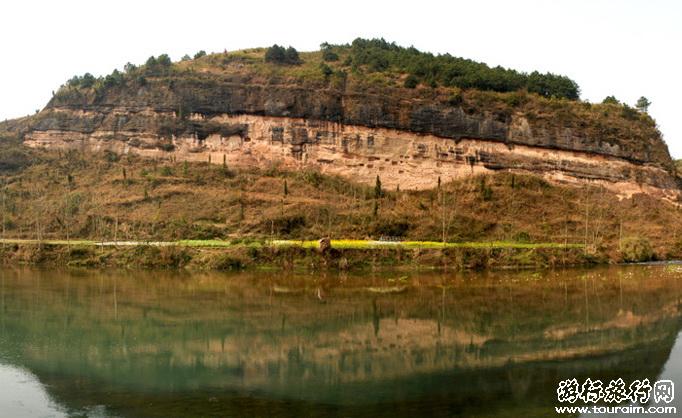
x=471, y=160
x=325, y=137
x=299, y=135
x=370, y=141
x=297, y=151
x=344, y=145
x=484, y=157
x=277, y=134
x=421, y=150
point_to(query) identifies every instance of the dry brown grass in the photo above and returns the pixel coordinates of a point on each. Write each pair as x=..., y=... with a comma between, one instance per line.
x=85, y=196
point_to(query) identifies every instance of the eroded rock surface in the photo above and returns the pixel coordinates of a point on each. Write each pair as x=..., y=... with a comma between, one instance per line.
x=403, y=138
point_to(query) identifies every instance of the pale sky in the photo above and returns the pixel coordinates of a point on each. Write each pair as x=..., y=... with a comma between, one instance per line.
x=610, y=47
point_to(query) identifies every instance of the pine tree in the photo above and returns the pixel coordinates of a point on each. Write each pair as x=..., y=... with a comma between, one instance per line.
x=643, y=104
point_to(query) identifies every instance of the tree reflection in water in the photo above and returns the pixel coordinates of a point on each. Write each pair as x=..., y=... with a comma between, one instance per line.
x=208, y=344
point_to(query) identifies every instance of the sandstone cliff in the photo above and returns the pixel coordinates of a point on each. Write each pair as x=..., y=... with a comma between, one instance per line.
x=236, y=113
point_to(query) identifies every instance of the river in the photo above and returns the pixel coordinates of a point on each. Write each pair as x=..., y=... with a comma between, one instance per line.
x=273, y=344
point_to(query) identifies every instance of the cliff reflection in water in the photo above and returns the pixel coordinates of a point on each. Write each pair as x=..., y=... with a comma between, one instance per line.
x=178, y=344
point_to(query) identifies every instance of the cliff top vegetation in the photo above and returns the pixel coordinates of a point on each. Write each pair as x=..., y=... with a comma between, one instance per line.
x=371, y=60
x=376, y=67
x=373, y=66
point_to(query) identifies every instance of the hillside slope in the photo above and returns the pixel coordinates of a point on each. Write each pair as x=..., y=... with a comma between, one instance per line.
x=105, y=196
x=359, y=111
x=349, y=142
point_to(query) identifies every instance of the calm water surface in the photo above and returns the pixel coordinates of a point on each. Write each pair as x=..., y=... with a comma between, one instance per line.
x=161, y=344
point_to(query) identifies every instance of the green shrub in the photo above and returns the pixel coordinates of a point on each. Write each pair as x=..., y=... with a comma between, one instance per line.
x=158, y=65
x=629, y=113
x=636, y=249
x=279, y=55
x=111, y=157
x=522, y=237
x=392, y=229
x=312, y=177
x=456, y=99
x=326, y=70
x=164, y=60
x=329, y=55
x=292, y=56
x=15, y=157
x=411, y=81
x=287, y=224
x=86, y=81
x=643, y=104
x=167, y=146
x=610, y=100
x=227, y=262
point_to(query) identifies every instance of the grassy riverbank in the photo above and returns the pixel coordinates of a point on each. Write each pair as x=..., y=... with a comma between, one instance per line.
x=337, y=244
x=289, y=254
x=47, y=196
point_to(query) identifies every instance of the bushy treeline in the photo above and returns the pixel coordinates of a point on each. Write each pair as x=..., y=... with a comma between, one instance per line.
x=153, y=66
x=280, y=55
x=378, y=55
x=446, y=70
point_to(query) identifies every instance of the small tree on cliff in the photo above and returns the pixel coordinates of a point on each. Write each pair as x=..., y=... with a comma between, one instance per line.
x=292, y=56
x=88, y=80
x=643, y=104
x=164, y=60
x=411, y=81
x=279, y=55
x=610, y=100
x=329, y=55
x=275, y=54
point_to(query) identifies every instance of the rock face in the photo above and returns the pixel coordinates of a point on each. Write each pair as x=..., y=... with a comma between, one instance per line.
x=406, y=139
